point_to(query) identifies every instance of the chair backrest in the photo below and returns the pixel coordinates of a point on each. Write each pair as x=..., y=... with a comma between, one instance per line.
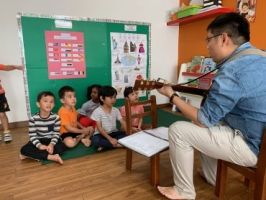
x=150, y=109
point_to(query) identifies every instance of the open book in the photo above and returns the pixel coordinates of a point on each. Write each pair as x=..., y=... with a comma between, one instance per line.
x=148, y=142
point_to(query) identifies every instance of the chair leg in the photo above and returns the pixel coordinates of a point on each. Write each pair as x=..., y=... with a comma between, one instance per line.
x=128, y=159
x=220, y=179
x=260, y=188
x=155, y=170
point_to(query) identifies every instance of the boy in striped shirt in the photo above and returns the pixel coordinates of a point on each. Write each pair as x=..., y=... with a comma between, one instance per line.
x=45, y=142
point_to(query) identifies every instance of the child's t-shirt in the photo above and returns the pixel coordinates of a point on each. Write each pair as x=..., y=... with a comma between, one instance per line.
x=88, y=107
x=68, y=117
x=134, y=110
x=40, y=128
x=108, y=120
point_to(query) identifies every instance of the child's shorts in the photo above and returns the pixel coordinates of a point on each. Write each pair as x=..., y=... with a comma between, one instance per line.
x=3, y=103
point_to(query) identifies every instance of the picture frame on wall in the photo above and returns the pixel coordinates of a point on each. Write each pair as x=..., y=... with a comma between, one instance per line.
x=247, y=8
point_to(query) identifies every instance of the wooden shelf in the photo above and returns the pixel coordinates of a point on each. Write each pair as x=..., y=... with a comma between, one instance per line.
x=196, y=74
x=203, y=15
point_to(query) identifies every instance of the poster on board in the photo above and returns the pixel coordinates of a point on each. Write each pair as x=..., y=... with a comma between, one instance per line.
x=129, y=60
x=65, y=54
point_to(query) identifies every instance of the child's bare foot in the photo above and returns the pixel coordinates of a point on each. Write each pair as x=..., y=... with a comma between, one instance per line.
x=22, y=157
x=169, y=192
x=86, y=142
x=119, y=146
x=55, y=158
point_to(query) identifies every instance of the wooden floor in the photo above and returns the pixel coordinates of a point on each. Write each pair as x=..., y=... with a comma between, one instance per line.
x=98, y=176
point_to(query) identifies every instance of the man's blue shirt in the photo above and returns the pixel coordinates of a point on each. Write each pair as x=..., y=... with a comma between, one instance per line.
x=238, y=97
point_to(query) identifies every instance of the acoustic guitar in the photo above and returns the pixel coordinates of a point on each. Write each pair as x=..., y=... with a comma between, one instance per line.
x=150, y=85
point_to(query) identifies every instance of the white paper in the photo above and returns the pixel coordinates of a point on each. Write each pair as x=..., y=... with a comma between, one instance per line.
x=160, y=132
x=144, y=143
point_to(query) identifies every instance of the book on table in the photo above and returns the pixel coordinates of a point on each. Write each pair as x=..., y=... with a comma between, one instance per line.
x=147, y=142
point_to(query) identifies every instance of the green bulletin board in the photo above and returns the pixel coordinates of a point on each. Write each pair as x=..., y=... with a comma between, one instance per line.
x=97, y=44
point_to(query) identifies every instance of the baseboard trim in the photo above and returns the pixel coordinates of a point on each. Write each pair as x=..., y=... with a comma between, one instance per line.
x=20, y=124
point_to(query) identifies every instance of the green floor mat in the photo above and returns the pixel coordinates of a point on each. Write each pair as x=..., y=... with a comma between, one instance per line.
x=164, y=119
x=78, y=151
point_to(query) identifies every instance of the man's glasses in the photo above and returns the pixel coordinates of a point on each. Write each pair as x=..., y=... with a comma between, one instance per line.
x=208, y=39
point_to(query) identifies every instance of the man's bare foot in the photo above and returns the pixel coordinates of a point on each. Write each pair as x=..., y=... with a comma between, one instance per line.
x=55, y=158
x=86, y=142
x=169, y=192
x=22, y=157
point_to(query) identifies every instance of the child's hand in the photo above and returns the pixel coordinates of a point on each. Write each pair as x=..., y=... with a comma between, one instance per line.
x=88, y=131
x=113, y=141
x=134, y=129
x=42, y=147
x=91, y=130
x=50, y=149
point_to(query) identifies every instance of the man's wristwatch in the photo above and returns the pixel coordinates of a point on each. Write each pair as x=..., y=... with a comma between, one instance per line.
x=172, y=97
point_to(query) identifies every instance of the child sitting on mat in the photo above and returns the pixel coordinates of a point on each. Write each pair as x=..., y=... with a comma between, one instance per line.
x=84, y=113
x=45, y=142
x=72, y=132
x=133, y=96
x=106, y=135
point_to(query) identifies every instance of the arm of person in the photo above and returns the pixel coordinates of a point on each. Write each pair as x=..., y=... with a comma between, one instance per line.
x=55, y=136
x=86, y=130
x=140, y=123
x=113, y=141
x=33, y=136
x=186, y=109
x=72, y=129
x=123, y=124
x=11, y=67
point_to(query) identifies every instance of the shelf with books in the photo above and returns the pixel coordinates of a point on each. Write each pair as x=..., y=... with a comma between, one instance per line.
x=193, y=74
x=199, y=16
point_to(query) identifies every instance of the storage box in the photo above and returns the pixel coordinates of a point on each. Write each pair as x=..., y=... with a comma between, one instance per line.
x=187, y=11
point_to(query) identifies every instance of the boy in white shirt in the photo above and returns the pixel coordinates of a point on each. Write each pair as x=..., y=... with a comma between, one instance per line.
x=107, y=135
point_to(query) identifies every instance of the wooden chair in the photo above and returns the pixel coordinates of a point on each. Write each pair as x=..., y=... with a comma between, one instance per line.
x=257, y=175
x=150, y=110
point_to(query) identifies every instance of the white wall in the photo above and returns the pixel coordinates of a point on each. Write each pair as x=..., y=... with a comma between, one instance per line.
x=164, y=40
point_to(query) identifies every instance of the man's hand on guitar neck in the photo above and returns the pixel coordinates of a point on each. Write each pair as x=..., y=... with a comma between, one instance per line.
x=166, y=90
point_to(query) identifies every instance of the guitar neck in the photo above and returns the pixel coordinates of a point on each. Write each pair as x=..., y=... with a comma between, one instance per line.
x=150, y=85
x=190, y=90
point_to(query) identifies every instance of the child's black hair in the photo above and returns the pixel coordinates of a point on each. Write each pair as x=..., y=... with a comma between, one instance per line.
x=44, y=94
x=128, y=91
x=63, y=90
x=107, y=91
x=89, y=89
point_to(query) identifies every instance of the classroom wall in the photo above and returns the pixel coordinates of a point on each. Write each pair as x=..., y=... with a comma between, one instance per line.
x=164, y=39
x=192, y=36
